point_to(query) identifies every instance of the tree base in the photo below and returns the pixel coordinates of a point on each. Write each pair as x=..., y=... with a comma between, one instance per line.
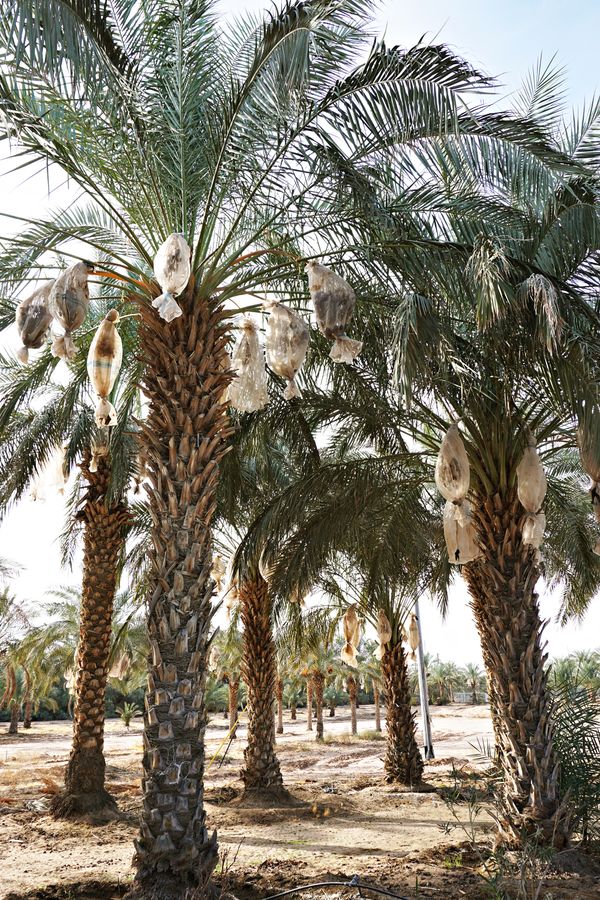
x=268, y=797
x=97, y=807
x=168, y=889
x=403, y=787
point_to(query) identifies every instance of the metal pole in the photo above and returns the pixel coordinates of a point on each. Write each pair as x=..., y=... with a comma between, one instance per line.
x=427, y=739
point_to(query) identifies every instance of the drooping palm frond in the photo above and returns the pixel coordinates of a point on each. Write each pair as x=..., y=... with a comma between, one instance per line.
x=575, y=713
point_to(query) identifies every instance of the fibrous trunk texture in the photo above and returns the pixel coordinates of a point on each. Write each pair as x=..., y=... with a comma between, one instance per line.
x=183, y=441
x=332, y=711
x=84, y=792
x=309, y=702
x=502, y=588
x=261, y=773
x=319, y=685
x=13, y=728
x=293, y=712
x=234, y=686
x=352, y=688
x=376, y=700
x=403, y=761
x=279, y=706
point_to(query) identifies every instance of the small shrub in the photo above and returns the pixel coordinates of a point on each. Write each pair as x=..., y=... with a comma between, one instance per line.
x=127, y=712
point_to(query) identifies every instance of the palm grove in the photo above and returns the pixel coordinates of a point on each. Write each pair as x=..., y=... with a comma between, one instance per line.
x=470, y=237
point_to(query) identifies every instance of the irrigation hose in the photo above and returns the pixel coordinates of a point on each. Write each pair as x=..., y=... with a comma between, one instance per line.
x=355, y=882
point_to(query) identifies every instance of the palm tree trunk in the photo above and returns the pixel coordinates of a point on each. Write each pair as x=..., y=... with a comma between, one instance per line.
x=27, y=705
x=261, y=773
x=15, y=710
x=183, y=441
x=331, y=710
x=309, y=699
x=84, y=793
x=293, y=712
x=376, y=698
x=352, y=692
x=403, y=762
x=319, y=685
x=234, y=686
x=279, y=706
x=507, y=615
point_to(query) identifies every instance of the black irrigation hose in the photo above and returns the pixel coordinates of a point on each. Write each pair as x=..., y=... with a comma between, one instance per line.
x=353, y=883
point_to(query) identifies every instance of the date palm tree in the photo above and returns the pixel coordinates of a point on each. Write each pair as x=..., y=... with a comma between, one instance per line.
x=234, y=135
x=505, y=346
x=42, y=418
x=373, y=678
x=229, y=669
x=350, y=495
x=319, y=664
x=53, y=648
x=474, y=680
x=261, y=773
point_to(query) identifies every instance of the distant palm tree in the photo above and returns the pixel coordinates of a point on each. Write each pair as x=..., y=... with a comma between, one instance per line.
x=319, y=664
x=474, y=679
x=372, y=673
x=229, y=669
x=42, y=421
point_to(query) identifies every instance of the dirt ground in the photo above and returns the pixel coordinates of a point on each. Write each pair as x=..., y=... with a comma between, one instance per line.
x=343, y=819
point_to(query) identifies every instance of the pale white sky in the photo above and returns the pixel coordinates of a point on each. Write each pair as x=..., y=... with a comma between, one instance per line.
x=505, y=41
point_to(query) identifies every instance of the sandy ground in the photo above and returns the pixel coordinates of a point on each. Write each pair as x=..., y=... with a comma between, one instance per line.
x=344, y=818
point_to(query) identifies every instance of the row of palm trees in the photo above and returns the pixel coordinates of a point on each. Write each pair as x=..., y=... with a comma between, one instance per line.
x=471, y=238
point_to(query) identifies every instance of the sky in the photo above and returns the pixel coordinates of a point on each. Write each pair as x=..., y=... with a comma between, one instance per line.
x=505, y=41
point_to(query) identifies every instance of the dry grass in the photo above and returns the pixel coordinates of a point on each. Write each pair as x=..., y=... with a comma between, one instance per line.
x=353, y=738
x=50, y=786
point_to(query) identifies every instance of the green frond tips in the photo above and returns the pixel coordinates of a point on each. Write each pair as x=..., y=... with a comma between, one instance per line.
x=539, y=290
x=488, y=271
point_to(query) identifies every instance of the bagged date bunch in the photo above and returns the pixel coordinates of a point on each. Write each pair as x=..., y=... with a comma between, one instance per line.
x=452, y=477
x=68, y=302
x=592, y=467
x=384, y=633
x=172, y=269
x=351, y=627
x=51, y=477
x=531, y=489
x=218, y=572
x=452, y=471
x=33, y=319
x=248, y=390
x=412, y=636
x=334, y=301
x=286, y=343
x=533, y=529
x=459, y=531
x=103, y=364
